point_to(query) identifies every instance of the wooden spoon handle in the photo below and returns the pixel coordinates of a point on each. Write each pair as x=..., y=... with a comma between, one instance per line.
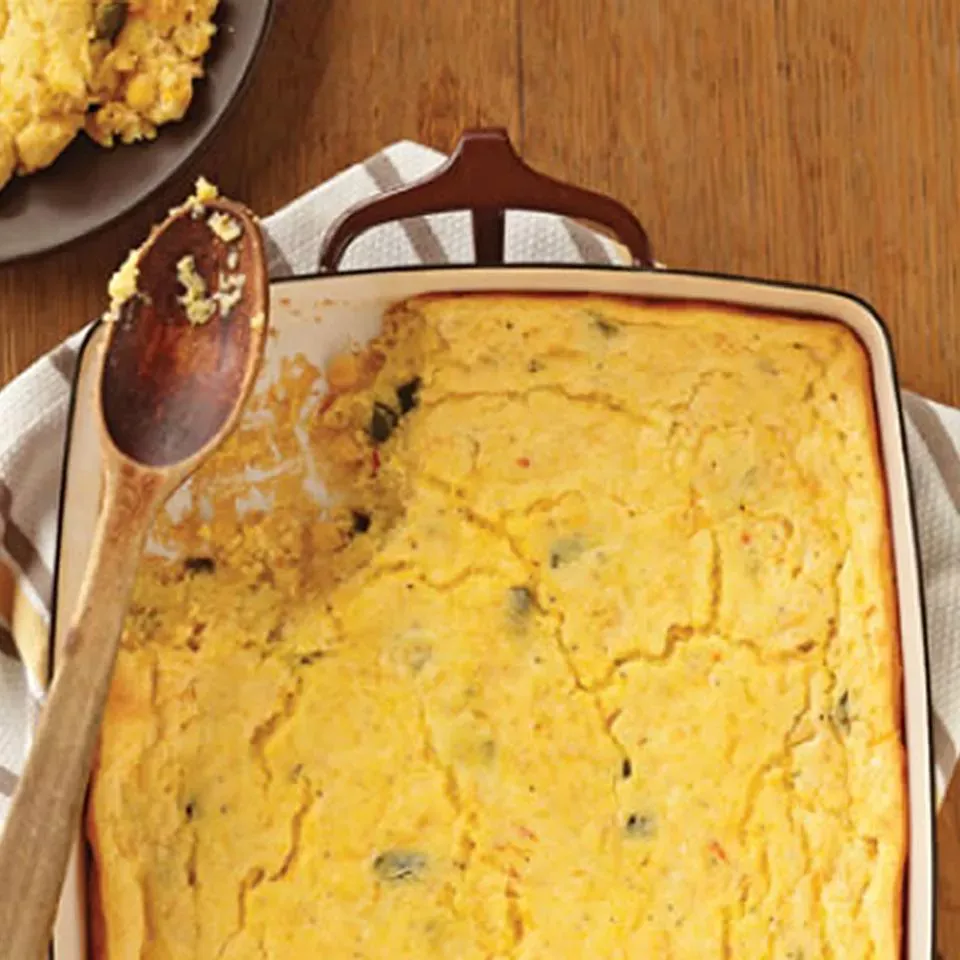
x=41, y=828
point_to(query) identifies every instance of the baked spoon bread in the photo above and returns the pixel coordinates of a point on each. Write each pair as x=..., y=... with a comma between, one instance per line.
x=594, y=656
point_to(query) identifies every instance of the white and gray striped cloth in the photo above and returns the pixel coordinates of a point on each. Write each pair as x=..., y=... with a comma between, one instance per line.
x=33, y=415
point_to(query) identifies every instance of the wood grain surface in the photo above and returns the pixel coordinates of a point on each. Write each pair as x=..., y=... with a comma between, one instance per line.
x=810, y=140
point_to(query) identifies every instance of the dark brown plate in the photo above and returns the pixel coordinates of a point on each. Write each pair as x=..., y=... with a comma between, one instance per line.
x=87, y=187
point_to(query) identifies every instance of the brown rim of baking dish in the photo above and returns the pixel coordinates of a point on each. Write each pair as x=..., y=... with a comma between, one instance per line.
x=465, y=184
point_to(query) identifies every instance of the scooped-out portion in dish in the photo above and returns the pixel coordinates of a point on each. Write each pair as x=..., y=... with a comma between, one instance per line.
x=118, y=69
x=594, y=655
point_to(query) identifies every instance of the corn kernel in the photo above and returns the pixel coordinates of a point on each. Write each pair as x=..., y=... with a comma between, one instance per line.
x=141, y=92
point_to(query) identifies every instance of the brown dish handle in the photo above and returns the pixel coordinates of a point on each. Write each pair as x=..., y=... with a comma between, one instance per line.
x=486, y=176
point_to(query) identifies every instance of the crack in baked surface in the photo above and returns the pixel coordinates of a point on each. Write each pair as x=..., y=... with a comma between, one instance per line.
x=594, y=655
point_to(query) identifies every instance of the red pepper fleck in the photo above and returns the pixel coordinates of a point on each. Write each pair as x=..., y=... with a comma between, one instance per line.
x=526, y=832
x=327, y=402
x=717, y=851
x=523, y=462
x=745, y=538
x=375, y=462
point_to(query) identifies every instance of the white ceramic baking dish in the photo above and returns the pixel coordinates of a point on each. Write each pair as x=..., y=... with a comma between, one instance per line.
x=351, y=307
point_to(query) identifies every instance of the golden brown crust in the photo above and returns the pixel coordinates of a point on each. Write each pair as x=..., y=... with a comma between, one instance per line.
x=96, y=919
x=96, y=922
x=892, y=608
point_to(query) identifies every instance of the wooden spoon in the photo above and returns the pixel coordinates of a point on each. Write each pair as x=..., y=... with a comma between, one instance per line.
x=170, y=392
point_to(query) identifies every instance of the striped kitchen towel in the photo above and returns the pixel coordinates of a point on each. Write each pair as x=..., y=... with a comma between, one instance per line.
x=33, y=415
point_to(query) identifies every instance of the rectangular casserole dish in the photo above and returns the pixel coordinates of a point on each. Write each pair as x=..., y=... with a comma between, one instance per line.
x=352, y=306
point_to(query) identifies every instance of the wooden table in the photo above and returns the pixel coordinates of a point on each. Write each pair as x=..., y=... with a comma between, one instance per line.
x=813, y=141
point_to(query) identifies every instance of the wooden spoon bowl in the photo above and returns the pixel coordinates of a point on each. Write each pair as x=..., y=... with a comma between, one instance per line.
x=166, y=395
